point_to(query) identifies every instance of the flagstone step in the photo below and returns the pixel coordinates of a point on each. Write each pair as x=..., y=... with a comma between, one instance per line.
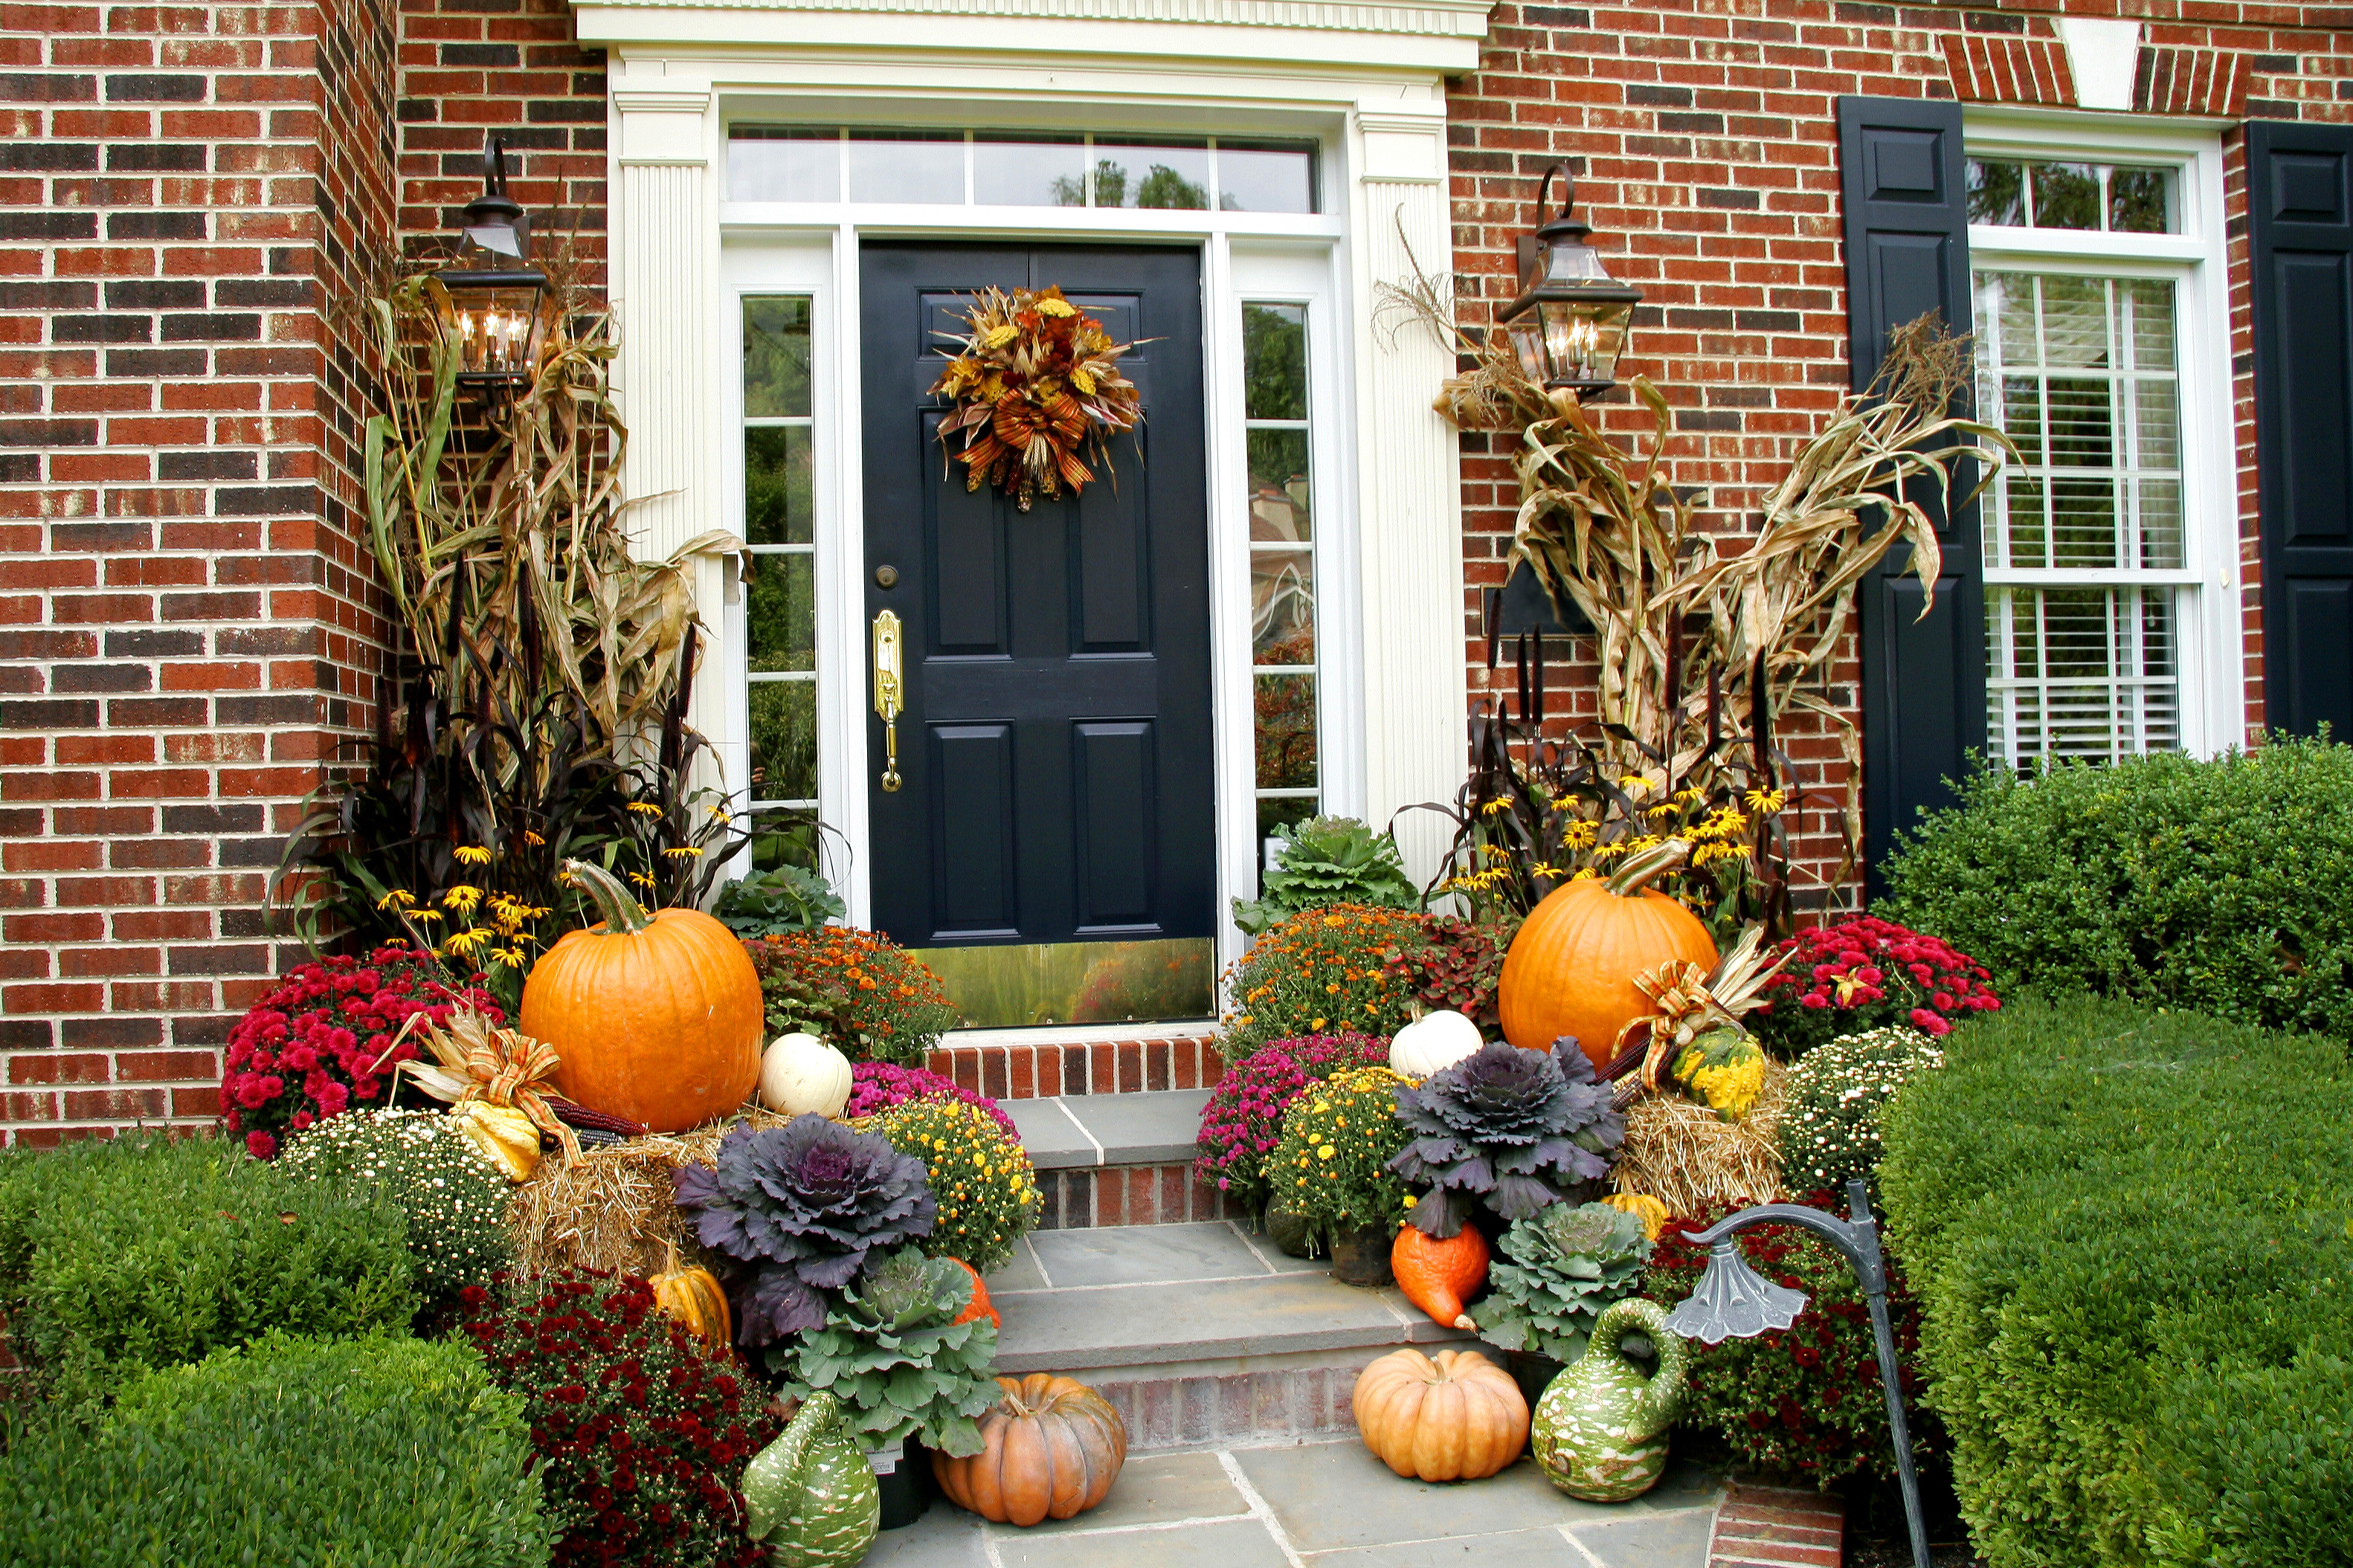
x=1118, y=1159
x=1197, y=1332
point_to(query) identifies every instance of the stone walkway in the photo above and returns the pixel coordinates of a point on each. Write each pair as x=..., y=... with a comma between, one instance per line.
x=1327, y=1504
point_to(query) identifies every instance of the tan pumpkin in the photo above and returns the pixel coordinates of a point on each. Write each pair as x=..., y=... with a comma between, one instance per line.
x=692, y=1299
x=1571, y=969
x=1458, y=1418
x=1051, y=1449
x=656, y=1017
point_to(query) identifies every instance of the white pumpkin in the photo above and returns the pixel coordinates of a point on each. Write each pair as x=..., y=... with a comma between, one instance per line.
x=800, y=1075
x=1432, y=1041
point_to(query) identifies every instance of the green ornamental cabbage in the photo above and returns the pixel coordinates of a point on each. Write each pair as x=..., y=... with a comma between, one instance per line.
x=1566, y=1265
x=894, y=1356
x=810, y=1496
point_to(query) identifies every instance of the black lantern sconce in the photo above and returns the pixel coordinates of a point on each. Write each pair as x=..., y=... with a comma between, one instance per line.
x=495, y=294
x=1568, y=324
x=1732, y=1300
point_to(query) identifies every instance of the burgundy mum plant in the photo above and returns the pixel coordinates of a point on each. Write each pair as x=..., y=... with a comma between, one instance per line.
x=640, y=1431
x=1866, y=974
x=316, y=1046
x=1244, y=1121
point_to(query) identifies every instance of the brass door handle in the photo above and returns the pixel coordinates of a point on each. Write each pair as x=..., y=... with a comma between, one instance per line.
x=889, y=691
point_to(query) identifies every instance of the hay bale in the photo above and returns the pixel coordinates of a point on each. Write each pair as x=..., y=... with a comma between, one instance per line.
x=614, y=1207
x=1678, y=1152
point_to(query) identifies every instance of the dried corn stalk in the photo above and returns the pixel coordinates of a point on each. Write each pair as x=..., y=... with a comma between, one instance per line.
x=1698, y=642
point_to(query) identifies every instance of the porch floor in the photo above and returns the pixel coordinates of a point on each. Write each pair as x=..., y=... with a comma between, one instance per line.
x=1323, y=1503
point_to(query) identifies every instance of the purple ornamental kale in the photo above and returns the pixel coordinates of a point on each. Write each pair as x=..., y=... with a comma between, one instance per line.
x=1515, y=1129
x=800, y=1206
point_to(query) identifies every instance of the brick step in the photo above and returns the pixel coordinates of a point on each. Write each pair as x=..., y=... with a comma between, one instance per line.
x=1197, y=1332
x=1118, y=1159
x=1038, y=1064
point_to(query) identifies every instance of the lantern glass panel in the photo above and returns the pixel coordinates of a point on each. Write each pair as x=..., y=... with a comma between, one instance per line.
x=498, y=327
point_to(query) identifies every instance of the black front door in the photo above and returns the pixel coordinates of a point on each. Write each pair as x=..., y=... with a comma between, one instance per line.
x=1055, y=743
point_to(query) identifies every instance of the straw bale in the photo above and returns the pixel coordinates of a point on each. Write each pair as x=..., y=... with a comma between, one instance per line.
x=1678, y=1152
x=612, y=1208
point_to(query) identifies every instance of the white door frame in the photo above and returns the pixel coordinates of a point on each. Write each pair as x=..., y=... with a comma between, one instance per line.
x=683, y=255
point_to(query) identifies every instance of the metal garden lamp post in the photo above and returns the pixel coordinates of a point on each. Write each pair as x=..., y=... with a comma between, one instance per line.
x=493, y=289
x=1568, y=324
x=1733, y=1300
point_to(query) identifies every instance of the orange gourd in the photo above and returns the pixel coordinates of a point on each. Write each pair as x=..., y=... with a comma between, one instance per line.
x=692, y=1299
x=979, y=1306
x=1439, y=1276
x=1458, y=1418
x=1570, y=970
x=657, y=1018
x=1050, y=1447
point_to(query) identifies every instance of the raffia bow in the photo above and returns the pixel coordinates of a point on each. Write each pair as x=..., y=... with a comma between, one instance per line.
x=478, y=1063
x=1687, y=1001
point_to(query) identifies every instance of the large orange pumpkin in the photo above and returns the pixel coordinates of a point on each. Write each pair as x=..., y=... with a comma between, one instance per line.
x=1050, y=1447
x=1457, y=1419
x=657, y=1018
x=1571, y=969
x=1439, y=1276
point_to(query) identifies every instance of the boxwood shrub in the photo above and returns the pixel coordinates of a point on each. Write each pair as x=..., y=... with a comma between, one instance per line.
x=144, y=1251
x=364, y=1453
x=2133, y=1235
x=2217, y=885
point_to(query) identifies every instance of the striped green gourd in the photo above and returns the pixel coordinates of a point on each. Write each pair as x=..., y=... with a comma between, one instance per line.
x=810, y=1494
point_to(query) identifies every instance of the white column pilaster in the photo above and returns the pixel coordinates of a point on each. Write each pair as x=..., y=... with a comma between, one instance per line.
x=666, y=298
x=1410, y=482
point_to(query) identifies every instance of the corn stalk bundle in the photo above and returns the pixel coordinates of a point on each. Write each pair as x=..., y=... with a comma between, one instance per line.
x=1705, y=649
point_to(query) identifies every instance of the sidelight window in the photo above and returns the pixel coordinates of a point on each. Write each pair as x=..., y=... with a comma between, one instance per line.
x=780, y=600
x=1284, y=649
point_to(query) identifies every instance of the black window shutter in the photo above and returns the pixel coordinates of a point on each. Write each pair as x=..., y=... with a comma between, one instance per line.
x=1904, y=187
x=2300, y=196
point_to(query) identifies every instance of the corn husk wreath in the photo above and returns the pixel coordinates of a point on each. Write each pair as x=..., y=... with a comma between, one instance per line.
x=498, y=1083
x=1037, y=384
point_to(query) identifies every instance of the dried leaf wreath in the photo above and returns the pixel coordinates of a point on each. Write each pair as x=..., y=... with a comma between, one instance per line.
x=1037, y=383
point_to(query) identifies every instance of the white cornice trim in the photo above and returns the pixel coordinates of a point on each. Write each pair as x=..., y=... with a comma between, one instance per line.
x=1426, y=18
x=661, y=100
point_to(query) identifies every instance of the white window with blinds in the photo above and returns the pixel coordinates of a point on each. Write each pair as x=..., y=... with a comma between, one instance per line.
x=2110, y=542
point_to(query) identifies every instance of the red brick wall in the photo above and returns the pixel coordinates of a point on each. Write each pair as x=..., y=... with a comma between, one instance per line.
x=187, y=195
x=472, y=69
x=1705, y=142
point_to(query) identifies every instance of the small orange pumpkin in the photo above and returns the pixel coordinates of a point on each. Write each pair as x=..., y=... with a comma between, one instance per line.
x=692, y=1299
x=1050, y=1447
x=980, y=1305
x=1458, y=1418
x=1571, y=969
x=1439, y=1276
x=657, y=1018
